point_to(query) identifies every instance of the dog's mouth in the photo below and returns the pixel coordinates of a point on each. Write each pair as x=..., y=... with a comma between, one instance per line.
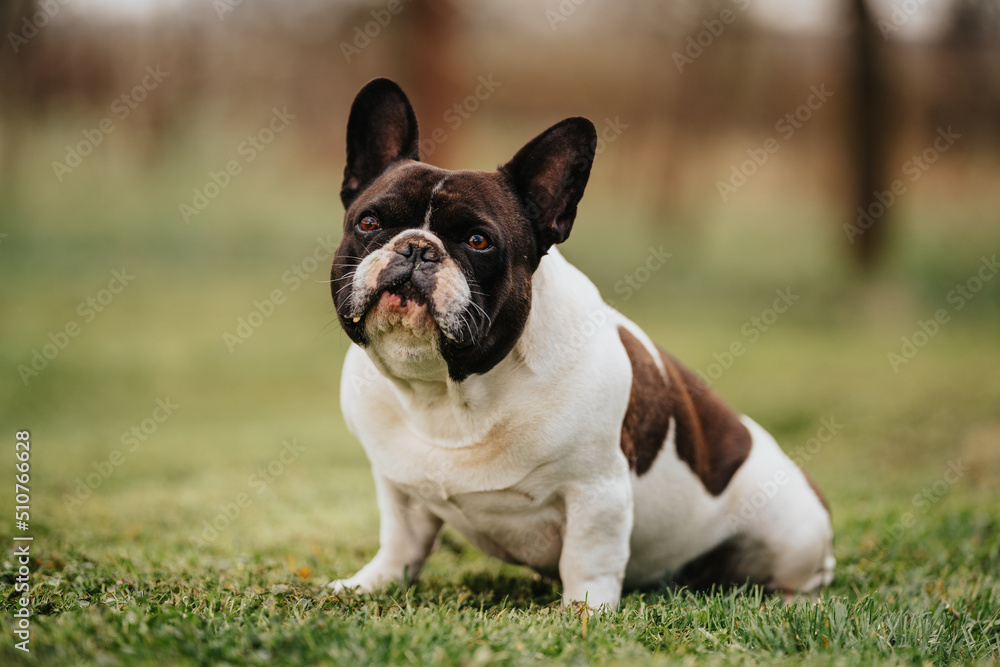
x=406, y=292
x=402, y=304
x=400, y=295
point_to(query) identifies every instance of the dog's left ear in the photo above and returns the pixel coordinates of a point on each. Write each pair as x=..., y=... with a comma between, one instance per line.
x=549, y=175
x=381, y=129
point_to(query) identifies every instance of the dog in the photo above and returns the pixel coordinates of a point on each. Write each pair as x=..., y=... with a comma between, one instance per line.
x=494, y=390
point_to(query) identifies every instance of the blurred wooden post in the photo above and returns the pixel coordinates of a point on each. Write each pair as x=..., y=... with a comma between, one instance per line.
x=14, y=85
x=436, y=70
x=868, y=140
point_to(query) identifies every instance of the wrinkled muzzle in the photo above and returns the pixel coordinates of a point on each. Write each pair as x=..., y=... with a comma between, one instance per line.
x=410, y=282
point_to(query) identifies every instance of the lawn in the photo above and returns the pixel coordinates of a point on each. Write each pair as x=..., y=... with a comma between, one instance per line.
x=193, y=487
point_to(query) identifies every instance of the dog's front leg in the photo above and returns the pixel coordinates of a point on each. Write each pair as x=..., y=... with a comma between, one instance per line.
x=407, y=534
x=596, y=541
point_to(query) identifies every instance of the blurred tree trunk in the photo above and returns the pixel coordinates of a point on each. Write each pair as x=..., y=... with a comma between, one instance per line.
x=437, y=56
x=13, y=87
x=869, y=140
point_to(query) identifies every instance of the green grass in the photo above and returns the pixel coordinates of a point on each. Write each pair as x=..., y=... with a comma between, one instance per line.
x=127, y=576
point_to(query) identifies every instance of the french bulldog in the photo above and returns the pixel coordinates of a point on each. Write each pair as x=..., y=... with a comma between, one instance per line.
x=494, y=390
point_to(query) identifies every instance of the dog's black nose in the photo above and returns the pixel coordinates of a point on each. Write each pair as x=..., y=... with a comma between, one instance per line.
x=420, y=249
x=430, y=254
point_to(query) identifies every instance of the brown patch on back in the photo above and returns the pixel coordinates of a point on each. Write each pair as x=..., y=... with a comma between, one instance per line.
x=709, y=437
x=648, y=416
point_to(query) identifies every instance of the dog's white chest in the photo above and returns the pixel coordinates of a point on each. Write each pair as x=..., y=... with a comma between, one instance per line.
x=509, y=524
x=508, y=511
x=500, y=489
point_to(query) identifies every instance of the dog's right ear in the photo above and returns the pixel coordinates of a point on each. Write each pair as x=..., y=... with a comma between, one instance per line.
x=382, y=128
x=550, y=174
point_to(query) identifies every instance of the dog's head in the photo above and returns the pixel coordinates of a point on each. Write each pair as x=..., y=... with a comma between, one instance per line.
x=435, y=266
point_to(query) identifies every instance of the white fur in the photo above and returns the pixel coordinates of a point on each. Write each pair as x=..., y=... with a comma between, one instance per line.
x=430, y=204
x=525, y=461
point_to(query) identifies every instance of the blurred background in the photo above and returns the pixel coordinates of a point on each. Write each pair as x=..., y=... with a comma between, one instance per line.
x=169, y=178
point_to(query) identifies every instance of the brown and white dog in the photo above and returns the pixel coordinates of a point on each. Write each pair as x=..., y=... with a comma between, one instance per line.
x=494, y=390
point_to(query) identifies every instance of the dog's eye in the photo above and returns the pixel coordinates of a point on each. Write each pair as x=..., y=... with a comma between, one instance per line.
x=369, y=224
x=478, y=241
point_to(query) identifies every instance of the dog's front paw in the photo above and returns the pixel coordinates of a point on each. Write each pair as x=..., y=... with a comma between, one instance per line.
x=592, y=609
x=598, y=595
x=351, y=585
x=368, y=579
x=580, y=608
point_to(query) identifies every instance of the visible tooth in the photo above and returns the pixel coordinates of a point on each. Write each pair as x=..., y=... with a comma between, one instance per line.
x=357, y=319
